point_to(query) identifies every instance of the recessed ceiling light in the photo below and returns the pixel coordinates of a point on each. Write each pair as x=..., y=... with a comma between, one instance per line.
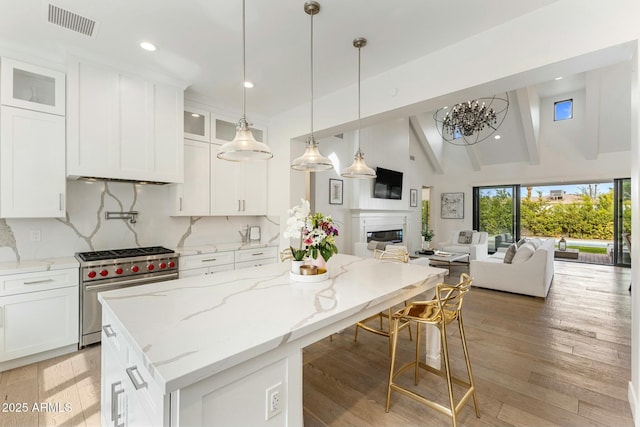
x=497, y=137
x=445, y=107
x=248, y=84
x=558, y=78
x=195, y=115
x=148, y=46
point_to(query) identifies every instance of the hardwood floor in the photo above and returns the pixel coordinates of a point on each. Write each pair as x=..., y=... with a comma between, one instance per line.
x=562, y=361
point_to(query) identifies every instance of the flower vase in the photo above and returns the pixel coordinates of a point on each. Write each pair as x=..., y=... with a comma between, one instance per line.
x=295, y=266
x=319, y=262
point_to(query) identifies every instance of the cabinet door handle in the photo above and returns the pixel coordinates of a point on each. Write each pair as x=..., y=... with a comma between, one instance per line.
x=108, y=330
x=243, y=206
x=239, y=205
x=115, y=404
x=259, y=253
x=61, y=201
x=209, y=260
x=180, y=208
x=35, y=282
x=136, y=378
x=1, y=317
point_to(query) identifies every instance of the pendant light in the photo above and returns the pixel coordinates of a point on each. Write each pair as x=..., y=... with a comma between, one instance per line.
x=359, y=168
x=312, y=160
x=244, y=147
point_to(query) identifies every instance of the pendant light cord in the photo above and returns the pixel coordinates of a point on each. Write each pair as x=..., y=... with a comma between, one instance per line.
x=359, y=121
x=311, y=62
x=244, y=64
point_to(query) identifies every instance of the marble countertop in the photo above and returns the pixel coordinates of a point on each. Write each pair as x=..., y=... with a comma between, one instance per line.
x=32, y=266
x=218, y=247
x=191, y=328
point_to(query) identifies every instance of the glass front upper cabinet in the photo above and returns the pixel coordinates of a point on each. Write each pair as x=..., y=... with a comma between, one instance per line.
x=196, y=124
x=225, y=130
x=32, y=87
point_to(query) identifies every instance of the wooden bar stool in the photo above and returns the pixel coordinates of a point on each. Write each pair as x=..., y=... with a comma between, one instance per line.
x=445, y=308
x=391, y=254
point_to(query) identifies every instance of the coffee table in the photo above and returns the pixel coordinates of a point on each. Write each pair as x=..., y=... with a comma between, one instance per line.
x=440, y=258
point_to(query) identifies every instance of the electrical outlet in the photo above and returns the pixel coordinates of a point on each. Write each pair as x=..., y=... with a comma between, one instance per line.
x=275, y=401
x=35, y=235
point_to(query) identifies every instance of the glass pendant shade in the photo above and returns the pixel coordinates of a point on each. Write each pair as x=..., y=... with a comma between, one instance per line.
x=244, y=146
x=359, y=168
x=312, y=160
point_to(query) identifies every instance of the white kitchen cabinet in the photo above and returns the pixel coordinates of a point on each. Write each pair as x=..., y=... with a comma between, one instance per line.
x=123, y=126
x=32, y=164
x=237, y=188
x=129, y=395
x=191, y=198
x=255, y=257
x=31, y=87
x=38, y=313
x=208, y=263
x=197, y=123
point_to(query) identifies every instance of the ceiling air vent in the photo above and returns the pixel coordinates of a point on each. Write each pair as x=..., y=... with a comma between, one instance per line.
x=71, y=21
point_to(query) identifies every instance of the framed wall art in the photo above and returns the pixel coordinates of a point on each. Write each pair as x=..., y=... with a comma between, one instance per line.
x=452, y=205
x=413, y=197
x=335, y=191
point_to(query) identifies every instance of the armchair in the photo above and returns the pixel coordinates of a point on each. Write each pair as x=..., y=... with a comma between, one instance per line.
x=467, y=241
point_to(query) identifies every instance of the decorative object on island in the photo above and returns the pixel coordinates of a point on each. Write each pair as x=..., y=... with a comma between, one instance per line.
x=359, y=168
x=312, y=160
x=316, y=233
x=413, y=197
x=244, y=146
x=452, y=205
x=335, y=191
x=473, y=121
x=562, y=244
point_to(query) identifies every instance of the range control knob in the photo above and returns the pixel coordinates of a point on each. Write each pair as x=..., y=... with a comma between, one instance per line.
x=103, y=273
x=92, y=274
x=163, y=265
x=135, y=268
x=172, y=264
x=118, y=271
x=150, y=267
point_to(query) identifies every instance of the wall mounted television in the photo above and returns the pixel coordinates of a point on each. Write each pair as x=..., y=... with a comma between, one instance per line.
x=388, y=184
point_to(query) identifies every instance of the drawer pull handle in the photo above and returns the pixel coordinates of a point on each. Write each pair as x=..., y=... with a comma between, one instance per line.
x=115, y=404
x=108, y=330
x=35, y=282
x=136, y=378
x=210, y=260
x=259, y=253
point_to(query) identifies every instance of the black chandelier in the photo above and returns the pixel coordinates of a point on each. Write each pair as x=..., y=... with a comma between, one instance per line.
x=473, y=121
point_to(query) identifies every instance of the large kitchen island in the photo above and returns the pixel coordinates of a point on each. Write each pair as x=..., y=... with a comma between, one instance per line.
x=226, y=349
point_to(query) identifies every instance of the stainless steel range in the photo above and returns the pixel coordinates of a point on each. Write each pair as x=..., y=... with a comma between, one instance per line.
x=102, y=271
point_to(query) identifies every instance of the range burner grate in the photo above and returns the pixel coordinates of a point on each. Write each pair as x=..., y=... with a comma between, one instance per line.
x=123, y=253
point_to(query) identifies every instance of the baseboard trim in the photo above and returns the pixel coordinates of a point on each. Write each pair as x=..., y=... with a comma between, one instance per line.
x=39, y=357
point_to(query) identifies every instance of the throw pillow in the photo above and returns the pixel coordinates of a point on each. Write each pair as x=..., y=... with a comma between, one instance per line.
x=511, y=252
x=465, y=237
x=521, y=242
x=524, y=253
x=373, y=244
x=537, y=242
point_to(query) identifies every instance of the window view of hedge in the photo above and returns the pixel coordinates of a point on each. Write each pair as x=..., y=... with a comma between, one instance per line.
x=588, y=215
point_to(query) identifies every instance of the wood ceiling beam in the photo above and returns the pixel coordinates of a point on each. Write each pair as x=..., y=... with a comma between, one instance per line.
x=529, y=106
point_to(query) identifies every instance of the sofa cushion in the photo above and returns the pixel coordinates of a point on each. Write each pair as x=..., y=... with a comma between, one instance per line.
x=465, y=237
x=523, y=253
x=475, y=239
x=511, y=252
x=537, y=242
x=521, y=242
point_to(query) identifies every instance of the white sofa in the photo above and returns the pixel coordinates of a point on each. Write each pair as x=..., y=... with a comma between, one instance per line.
x=471, y=242
x=527, y=275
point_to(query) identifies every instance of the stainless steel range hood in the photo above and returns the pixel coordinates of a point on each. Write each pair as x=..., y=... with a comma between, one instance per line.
x=131, y=181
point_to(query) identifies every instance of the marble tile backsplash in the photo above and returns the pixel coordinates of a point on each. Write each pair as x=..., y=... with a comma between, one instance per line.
x=85, y=228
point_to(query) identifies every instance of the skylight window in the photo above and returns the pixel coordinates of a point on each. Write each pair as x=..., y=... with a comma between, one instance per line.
x=563, y=110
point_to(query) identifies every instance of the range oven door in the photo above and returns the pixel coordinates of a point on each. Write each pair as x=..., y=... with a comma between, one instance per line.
x=91, y=315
